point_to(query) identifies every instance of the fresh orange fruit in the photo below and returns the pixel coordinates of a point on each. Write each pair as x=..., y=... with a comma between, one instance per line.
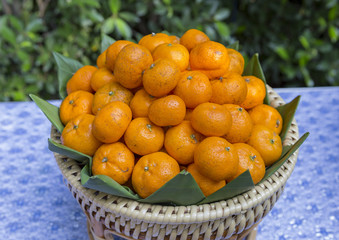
x=207, y=185
x=101, y=60
x=211, y=119
x=81, y=80
x=241, y=124
x=112, y=52
x=167, y=111
x=267, y=142
x=175, y=52
x=256, y=92
x=210, y=58
x=75, y=104
x=114, y=160
x=101, y=77
x=237, y=62
x=229, y=89
x=193, y=37
x=152, y=171
x=111, y=122
x=110, y=92
x=77, y=135
x=140, y=103
x=180, y=142
x=268, y=116
x=216, y=158
x=130, y=65
x=143, y=137
x=194, y=88
x=250, y=159
x=151, y=41
x=161, y=77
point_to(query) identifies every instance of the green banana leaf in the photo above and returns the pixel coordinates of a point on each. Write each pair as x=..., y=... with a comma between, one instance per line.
x=287, y=112
x=50, y=111
x=66, y=68
x=68, y=152
x=234, y=46
x=106, y=42
x=253, y=68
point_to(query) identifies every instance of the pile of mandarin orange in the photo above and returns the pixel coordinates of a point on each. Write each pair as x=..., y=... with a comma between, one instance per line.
x=151, y=109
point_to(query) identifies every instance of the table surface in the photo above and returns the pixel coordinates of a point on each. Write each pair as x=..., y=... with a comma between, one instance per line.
x=35, y=203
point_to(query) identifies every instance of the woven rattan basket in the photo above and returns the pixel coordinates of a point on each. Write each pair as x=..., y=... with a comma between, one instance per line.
x=231, y=219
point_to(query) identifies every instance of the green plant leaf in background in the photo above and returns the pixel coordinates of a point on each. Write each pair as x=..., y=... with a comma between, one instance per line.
x=253, y=68
x=288, y=151
x=50, y=111
x=66, y=68
x=181, y=190
x=239, y=185
x=68, y=152
x=106, y=42
x=287, y=112
x=105, y=184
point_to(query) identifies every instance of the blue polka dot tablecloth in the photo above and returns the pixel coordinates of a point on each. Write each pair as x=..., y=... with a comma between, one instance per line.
x=35, y=203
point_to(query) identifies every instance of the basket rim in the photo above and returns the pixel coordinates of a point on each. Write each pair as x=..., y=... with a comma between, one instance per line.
x=153, y=213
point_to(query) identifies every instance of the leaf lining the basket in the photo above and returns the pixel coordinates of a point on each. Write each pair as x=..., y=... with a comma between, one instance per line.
x=289, y=150
x=68, y=152
x=253, y=68
x=66, y=68
x=238, y=186
x=50, y=111
x=287, y=112
x=106, y=42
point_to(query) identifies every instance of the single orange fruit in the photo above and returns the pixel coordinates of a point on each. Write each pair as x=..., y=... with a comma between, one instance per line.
x=216, y=158
x=267, y=142
x=112, y=52
x=193, y=37
x=81, y=80
x=210, y=58
x=241, y=124
x=174, y=39
x=140, y=103
x=143, y=137
x=130, y=65
x=181, y=141
x=250, y=159
x=175, y=52
x=151, y=41
x=268, y=116
x=167, y=111
x=101, y=60
x=152, y=171
x=256, y=92
x=230, y=89
x=101, y=77
x=211, y=119
x=237, y=62
x=111, y=122
x=194, y=88
x=114, y=160
x=110, y=92
x=207, y=185
x=77, y=135
x=75, y=104
x=161, y=77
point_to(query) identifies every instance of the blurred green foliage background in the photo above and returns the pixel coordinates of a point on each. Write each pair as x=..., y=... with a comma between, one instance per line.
x=298, y=41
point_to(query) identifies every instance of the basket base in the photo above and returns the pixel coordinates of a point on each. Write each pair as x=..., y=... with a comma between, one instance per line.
x=249, y=234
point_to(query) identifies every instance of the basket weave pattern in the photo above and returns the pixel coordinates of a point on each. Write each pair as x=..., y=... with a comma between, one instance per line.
x=230, y=219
